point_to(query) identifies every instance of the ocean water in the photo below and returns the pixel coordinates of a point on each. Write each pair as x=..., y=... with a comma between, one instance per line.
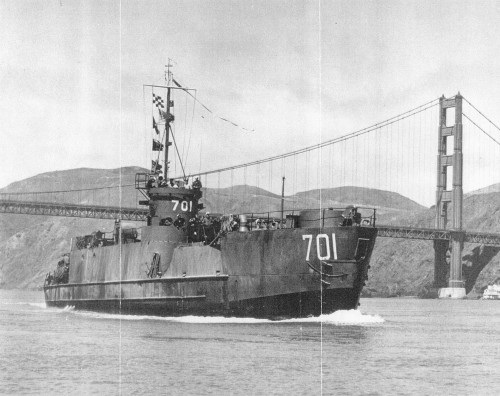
x=387, y=347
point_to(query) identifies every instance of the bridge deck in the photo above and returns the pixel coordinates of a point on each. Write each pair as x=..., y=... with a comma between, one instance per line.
x=432, y=234
x=73, y=210
x=137, y=214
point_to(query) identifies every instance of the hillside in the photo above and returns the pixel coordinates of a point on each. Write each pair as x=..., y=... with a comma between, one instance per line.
x=31, y=245
x=391, y=207
x=75, y=179
x=405, y=267
x=490, y=189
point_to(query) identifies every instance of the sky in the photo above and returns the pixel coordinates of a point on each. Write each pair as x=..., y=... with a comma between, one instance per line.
x=296, y=72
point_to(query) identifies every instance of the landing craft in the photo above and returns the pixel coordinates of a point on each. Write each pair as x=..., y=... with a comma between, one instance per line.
x=186, y=261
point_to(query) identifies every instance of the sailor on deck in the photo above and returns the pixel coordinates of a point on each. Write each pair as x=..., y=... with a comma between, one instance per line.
x=197, y=184
x=151, y=182
x=179, y=221
x=161, y=182
x=197, y=189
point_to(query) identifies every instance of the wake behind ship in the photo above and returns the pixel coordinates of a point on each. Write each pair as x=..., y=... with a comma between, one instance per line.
x=186, y=261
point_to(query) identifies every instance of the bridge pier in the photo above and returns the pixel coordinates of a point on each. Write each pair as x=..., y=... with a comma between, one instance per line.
x=447, y=164
x=456, y=285
x=441, y=262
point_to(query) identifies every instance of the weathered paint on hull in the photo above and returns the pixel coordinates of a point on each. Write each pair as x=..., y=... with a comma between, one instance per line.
x=272, y=274
x=294, y=305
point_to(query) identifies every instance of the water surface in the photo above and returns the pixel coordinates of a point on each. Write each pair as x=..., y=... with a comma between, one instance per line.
x=388, y=347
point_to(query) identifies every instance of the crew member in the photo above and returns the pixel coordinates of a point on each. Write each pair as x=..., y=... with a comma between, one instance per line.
x=161, y=182
x=197, y=189
x=179, y=222
x=151, y=182
x=197, y=184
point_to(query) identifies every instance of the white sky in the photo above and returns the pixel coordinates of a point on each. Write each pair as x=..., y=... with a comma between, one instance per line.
x=298, y=72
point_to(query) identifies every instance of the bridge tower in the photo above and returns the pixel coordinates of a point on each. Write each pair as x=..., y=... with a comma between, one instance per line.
x=449, y=169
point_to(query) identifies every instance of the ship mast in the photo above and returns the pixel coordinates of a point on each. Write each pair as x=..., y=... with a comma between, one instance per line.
x=168, y=79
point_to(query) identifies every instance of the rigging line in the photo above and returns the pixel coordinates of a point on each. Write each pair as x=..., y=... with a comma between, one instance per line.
x=190, y=94
x=210, y=111
x=349, y=136
x=184, y=135
x=486, y=133
x=185, y=128
x=172, y=128
x=491, y=122
x=190, y=133
x=178, y=154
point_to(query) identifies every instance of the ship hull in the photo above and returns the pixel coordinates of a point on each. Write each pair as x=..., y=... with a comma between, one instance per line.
x=292, y=305
x=262, y=274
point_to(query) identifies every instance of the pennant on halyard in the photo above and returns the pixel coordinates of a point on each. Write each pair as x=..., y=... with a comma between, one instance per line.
x=155, y=167
x=157, y=146
x=158, y=101
x=166, y=117
x=155, y=126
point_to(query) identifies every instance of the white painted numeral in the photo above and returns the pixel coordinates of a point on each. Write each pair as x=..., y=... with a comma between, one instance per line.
x=328, y=252
x=310, y=237
x=334, y=244
x=318, y=246
x=185, y=205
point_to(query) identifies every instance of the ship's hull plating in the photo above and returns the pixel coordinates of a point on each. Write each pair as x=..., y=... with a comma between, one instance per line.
x=268, y=274
x=301, y=304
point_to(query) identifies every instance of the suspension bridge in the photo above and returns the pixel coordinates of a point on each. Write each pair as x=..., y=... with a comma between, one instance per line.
x=398, y=155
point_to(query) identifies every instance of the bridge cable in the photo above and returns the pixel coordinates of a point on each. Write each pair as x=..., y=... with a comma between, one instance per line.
x=349, y=136
x=486, y=133
x=491, y=122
